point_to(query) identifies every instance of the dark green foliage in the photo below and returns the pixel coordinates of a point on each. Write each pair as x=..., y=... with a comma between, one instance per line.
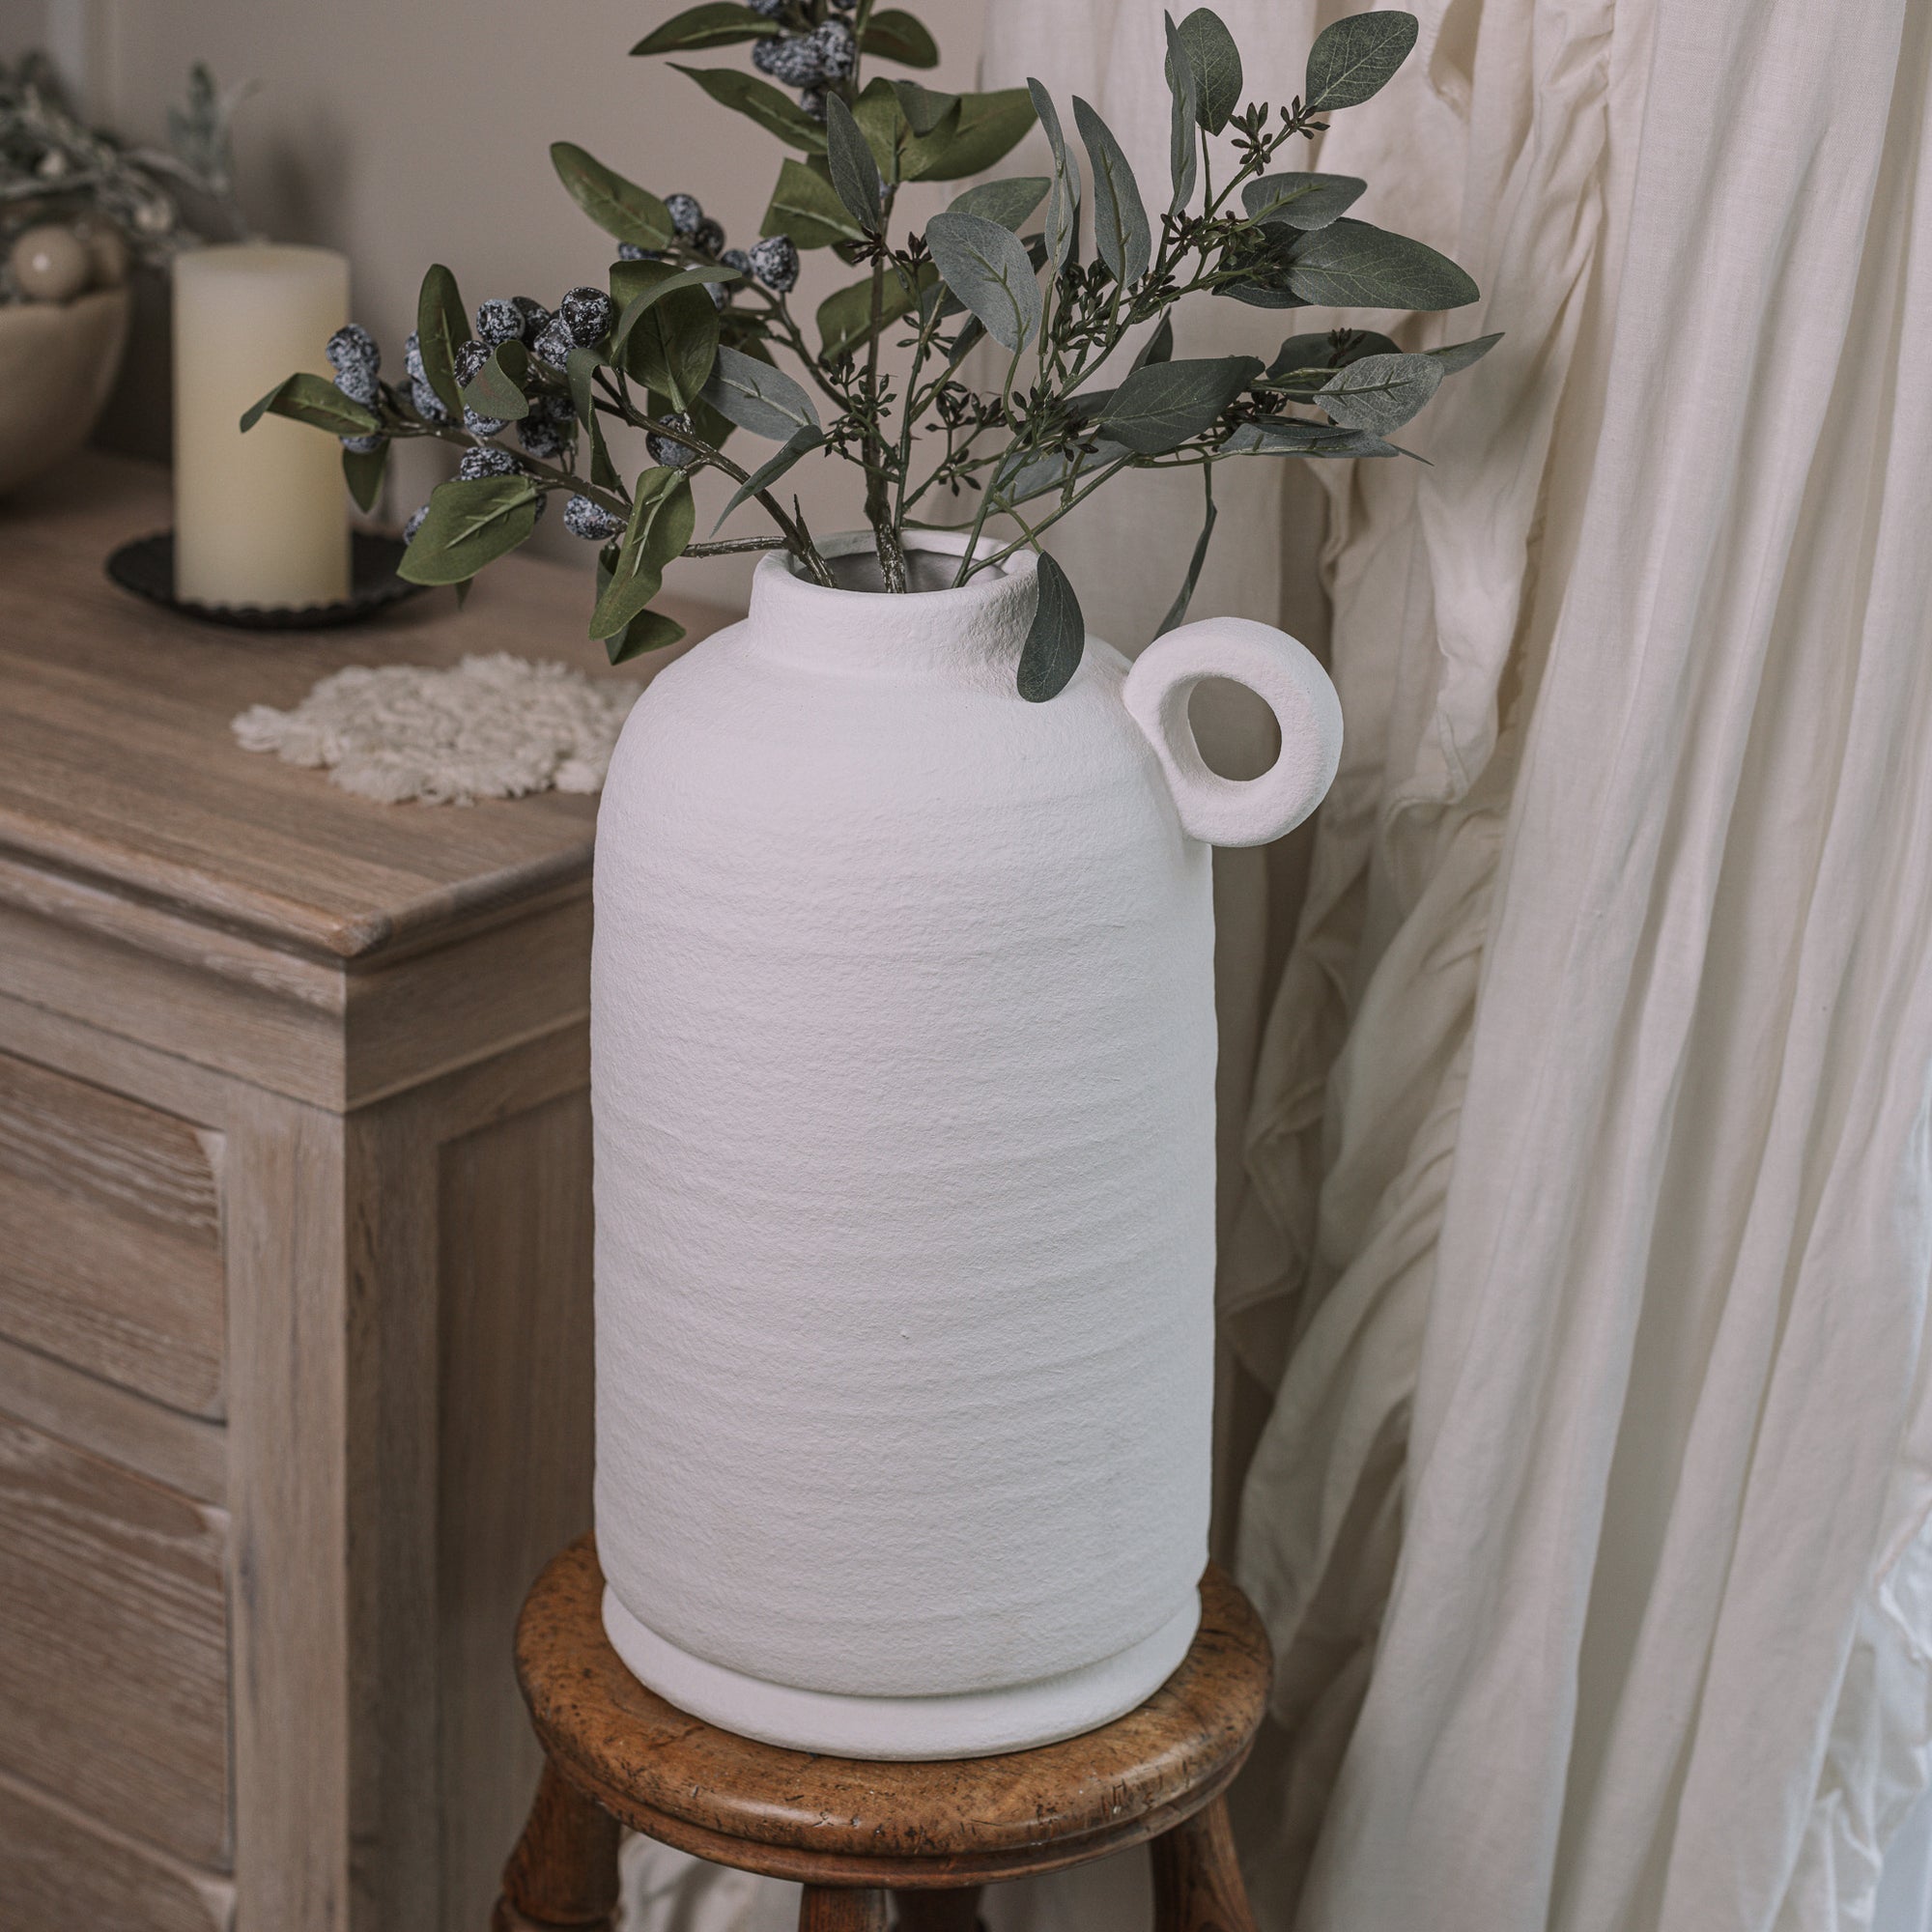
x=687, y=346
x=1055, y=640
x=1354, y=58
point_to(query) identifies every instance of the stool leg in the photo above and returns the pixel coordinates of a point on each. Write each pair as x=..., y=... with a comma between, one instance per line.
x=564, y=1870
x=831, y=1908
x=938, y=1911
x=1197, y=1884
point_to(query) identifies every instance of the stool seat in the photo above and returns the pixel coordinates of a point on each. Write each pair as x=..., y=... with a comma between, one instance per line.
x=833, y=1822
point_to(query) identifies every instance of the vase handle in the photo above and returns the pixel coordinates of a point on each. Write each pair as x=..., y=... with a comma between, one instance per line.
x=1286, y=677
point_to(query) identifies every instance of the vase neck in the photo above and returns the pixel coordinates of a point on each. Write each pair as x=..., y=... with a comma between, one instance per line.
x=969, y=634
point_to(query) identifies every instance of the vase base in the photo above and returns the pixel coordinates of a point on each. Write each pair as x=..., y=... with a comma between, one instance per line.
x=967, y=1723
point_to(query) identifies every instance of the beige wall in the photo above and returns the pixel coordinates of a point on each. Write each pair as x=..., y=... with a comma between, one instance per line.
x=406, y=132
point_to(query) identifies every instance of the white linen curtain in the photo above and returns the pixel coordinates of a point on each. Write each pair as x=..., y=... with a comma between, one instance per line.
x=1584, y=1233
x=1592, y=1115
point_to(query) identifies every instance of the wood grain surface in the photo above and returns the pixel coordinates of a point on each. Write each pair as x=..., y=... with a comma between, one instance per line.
x=513, y=1267
x=563, y=1872
x=60, y=1869
x=845, y=1821
x=114, y=1645
x=121, y=765
x=181, y=1452
x=110, y=1236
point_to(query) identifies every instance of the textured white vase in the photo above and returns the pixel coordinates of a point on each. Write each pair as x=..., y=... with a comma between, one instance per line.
x=902, y=1036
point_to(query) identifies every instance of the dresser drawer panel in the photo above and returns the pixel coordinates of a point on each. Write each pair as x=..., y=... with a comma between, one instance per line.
x=59, y=1871
x=113, y=1645
x=110, y=1236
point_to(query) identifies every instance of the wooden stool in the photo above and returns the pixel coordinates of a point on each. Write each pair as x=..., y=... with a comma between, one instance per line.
x=618, y=1754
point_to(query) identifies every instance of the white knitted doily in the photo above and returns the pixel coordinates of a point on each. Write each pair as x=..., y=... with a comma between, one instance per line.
x=496, y=726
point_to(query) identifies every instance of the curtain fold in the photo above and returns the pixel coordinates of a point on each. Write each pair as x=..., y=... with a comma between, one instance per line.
x=1584, y=1239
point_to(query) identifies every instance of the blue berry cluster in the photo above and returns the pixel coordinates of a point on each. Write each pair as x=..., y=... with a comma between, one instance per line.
x=589, y=315
x=775, y=263
x=477, y=464
x=550, y=428
x=664, y=451
x=469, y=357
x=423, y=399
x=808, y=61
x=592, y=521
x=358, y=363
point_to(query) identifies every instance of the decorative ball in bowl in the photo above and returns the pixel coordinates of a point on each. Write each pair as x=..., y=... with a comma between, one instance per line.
x=60, y=346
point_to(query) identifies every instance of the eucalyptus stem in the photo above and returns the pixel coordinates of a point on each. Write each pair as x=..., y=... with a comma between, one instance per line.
x=1045, y=522
x=734, y=546
x=885, y=540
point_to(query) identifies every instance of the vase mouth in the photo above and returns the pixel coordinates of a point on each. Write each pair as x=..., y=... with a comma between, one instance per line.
x=976, y=629
x=931, y=555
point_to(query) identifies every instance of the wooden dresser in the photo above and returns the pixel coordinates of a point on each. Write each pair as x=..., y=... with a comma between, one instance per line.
x=295, y=1264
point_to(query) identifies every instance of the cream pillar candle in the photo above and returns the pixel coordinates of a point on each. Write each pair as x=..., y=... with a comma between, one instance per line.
x=261, y=518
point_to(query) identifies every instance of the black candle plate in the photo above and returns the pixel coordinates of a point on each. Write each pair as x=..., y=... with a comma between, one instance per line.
x=147, y=567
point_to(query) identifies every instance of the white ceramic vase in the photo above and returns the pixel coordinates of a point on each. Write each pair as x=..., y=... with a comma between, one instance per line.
x=902, y=1037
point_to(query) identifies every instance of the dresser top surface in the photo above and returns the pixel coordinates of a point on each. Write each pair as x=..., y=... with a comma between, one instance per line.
x=118, y=764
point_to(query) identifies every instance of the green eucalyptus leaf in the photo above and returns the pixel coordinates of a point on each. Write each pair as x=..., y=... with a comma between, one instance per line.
x=845, y=317
x=579, y=370
x=708, y=426
x=716, y=24
x=1055, y=638
x=758, y=397
x=893, y=35
x=1320, y=352
x=922, y=108
x=316, y=401
x=1121, y=232
x=1161, y=405
x=1286, y=436
x=1354, y=58
x=1007, y=202
x=1159, y=345
x=673, y=344
x=981, y=130
x=1062, y=206
x=770, y=470
x=1216, y=61
x=806, y=206
x=987, y=268
x=497, y=389
x=662, y=519
x=1038, y=474
x=1379, y=392
x=775, y=112
x=471, y=522
x=363, y=471
x=1177, y=611
x=855, y=173
x=1184, y=138
x=648, y=631
x=1350, y=264
x=1460, y=355
x=1302, y=201
x=877, y=113
x=1264, y=288
x=640, y=286
x=618, y=207
x=442, y=326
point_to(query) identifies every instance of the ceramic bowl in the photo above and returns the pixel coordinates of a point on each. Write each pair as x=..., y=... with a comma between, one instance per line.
x=58, y=361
